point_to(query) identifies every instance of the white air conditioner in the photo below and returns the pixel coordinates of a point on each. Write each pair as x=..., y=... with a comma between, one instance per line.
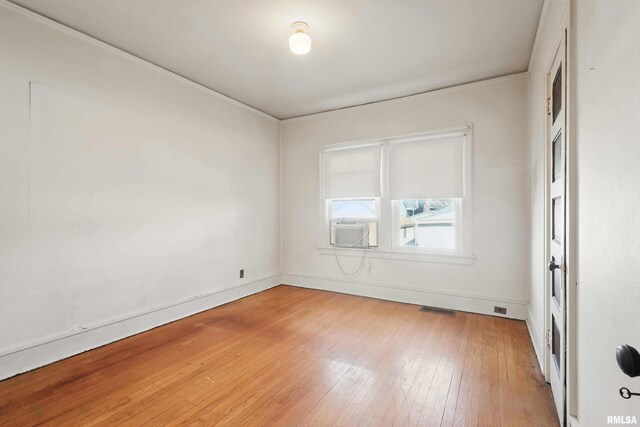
x=354, y=233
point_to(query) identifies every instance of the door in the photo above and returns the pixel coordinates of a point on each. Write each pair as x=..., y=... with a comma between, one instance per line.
x=556, y=327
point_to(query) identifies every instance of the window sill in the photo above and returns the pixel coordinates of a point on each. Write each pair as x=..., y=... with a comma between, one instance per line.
x=400, y=255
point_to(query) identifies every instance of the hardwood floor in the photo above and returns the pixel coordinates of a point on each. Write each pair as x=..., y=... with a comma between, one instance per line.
x=291, y=356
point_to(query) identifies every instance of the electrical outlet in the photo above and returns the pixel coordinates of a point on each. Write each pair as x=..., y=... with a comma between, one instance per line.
x=242, y=273
x=499, y=310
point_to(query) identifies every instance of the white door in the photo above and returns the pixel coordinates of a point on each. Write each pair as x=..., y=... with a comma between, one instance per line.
x=556, y=333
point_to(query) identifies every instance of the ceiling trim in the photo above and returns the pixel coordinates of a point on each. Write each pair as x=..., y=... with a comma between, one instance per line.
x=544, y=16
x=536, y=40
x=434, y=92
x=114, y=49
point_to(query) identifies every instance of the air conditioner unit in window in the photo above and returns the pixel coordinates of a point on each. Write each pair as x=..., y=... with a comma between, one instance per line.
x=354, y=233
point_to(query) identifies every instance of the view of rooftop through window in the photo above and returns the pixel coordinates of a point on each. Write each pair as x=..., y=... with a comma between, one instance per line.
x=427, y=223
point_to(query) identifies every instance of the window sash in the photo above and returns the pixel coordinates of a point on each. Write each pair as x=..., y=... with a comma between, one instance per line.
x=458, y=221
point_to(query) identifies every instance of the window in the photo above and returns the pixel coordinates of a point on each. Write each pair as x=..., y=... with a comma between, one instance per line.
x=351, y=190
x=353, y=222
x=353, y=208
x=426, y=224
x=415, y=189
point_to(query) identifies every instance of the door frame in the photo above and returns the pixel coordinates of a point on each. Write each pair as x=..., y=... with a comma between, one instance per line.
x=571, y=261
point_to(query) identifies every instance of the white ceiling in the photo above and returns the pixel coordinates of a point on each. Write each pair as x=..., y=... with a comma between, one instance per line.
x=362, y=51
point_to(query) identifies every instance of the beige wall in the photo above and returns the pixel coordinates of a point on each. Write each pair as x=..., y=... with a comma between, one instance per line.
x=604, y=64
x=500, y=274
x=123, y=190
x=606, y=70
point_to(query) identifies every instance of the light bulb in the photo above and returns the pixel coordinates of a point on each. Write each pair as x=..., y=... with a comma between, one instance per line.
x=300, y=42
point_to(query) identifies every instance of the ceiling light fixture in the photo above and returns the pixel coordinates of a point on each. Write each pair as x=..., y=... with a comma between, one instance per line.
x=300, y=42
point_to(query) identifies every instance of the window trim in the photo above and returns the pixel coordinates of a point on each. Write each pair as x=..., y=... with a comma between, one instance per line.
x=386, y=209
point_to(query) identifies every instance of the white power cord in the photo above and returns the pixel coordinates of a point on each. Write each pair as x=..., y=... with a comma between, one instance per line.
x=364, y=255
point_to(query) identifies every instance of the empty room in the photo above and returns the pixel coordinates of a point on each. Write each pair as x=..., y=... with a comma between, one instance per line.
x=319, y=213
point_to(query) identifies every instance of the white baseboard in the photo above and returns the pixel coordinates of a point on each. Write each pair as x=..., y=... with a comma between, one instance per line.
x=50, y=350
x=536, y=338
x=436, y=298
x=67, y=344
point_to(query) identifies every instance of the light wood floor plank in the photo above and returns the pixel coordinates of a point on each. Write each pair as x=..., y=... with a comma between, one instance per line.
x=291, y=356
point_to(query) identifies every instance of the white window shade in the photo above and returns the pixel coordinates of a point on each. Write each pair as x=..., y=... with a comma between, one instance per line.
x=351, y=173
x=428, y=168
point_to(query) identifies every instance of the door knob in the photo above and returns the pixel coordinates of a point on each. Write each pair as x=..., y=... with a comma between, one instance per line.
x=628, y=360
x=553, y=265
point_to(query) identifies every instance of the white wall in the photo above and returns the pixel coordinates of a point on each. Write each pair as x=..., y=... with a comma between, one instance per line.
x=604, y=66
x=543, y=53
x=128, y=197
x=607, y=76
x=500, y=275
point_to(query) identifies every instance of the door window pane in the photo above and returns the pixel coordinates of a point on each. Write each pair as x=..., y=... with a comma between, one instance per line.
x=558, y=220
x=557, y=157
x=555, y=344
x=555, y=282
x=427, y=224
x=556, y=96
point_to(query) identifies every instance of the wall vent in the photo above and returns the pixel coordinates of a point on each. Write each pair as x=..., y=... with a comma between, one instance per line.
x=499, y=310
x=438, y=310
